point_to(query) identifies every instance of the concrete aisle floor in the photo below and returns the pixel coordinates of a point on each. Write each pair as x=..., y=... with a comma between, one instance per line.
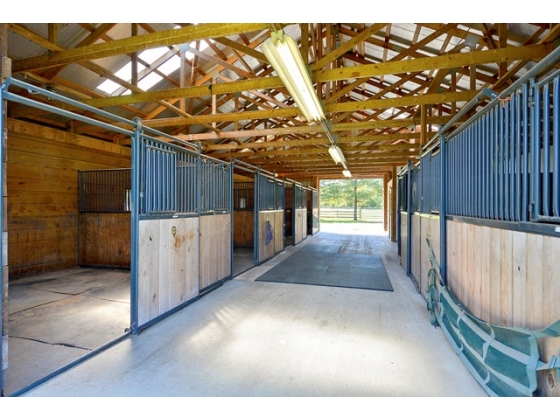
x=249, y=339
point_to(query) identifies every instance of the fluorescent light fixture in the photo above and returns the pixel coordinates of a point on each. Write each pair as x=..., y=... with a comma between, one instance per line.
x=336, y=154
x=283, y=54
x=347, y=173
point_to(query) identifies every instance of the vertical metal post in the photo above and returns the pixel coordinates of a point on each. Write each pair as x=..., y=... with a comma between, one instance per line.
x=546, y=151
x=443, y=211
x=556, y=150
x=535, y=153
x=134, y=228
x=525, y=196
x=398, y=193
x=230, y=186
x=5, y=72
x=409, y=219
x=257, y=206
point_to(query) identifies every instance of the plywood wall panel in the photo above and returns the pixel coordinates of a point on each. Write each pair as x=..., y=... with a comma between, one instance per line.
x=404, y=238
x=536, y=292
x=278, y=231
x=168, y=272
x=42, y=202
x=429, y=229
x=266, y=248
x=183, y=261
x=519, y=279
x=495, y=275
x=148, y=270
x=506, y=285
x=105, y=239
x=416, y=255
x=243, y=228
x=485, y=276
x=215, y=255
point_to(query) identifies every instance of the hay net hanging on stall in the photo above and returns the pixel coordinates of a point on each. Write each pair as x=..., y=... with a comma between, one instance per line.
x=503, y=360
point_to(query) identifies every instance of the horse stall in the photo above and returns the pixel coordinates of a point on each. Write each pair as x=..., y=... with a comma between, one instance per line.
x=270, y=217
x=184, y=220
x=104, y=239
x=243, y=223
x=69, y=250
x=299, y=212
x=479, y=234
x=312, y=211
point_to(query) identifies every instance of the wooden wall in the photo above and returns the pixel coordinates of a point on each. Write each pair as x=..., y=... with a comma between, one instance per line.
x=508, y=278
x=403, y=238
x=42, y=180
x=276, y=220
x=244, y=228
x=422, y=226
x=168, y=265
x=504, y=277
x=215, y=248
x=300, y=229
x=105, y=239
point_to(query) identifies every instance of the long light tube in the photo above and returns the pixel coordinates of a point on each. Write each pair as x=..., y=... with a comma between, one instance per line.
x=347, y=173
x=336, y=154
x=283, y=54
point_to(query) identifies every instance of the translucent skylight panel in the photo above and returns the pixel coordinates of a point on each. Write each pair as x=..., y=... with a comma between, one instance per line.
x=108, y=86
x=170, y=65
x=152, y=54
x=148, y=81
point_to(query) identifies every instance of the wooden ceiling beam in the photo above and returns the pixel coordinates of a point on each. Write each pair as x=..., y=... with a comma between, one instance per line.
x=347, y=46
x=284, y=143
x=132, y=44
x=437, y=62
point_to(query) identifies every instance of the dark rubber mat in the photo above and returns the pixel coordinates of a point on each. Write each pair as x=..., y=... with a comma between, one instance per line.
x=323, y=268
x=329, y=249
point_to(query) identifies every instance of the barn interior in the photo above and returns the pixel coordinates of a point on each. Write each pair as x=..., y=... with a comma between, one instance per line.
x=145, y=164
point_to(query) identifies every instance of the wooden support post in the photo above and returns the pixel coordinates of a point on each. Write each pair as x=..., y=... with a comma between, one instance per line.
x=305, y=42
x=423, y=127
x=5, y=72
x=385, y=201
x=394, y=205
x=214, y=108
x=134, y=57
x=502, y=35
x=182, y=74
x=53, y=33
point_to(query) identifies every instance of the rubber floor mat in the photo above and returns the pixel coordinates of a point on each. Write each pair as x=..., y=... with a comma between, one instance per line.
x=325, y=268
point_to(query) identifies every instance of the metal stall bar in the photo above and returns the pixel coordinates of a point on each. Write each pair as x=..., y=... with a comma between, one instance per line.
x=409, y=219
x=443, y=210
x=256, y=221
x=3, y=281
x=135, y=225
x=535, y=153
x=556, y=150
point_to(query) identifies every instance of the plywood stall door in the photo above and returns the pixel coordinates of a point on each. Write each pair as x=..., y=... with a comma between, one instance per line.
x=168, y=266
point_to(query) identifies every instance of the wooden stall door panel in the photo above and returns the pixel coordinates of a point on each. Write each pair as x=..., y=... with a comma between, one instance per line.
x=105, y=239
x=278, y=231
x=148, y=270
x=404, y=238
x=210, y=231
x=165, y=269
x=225, y=247
x=416, y=267
x=183, y=261
x=266, y=243
x=243, y=228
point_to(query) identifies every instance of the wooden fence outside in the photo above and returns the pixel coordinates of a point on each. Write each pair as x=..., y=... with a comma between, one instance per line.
x=369, y=215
